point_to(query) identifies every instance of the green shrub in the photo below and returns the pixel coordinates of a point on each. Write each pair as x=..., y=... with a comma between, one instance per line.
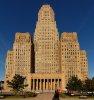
x=62, y=95
x=30, y=94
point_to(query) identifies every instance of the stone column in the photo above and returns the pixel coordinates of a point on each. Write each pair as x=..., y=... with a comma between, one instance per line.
x=51, y=84
x=33, y=85
x=58, y=83
x=36, y=84
x=54, y=85
x=47, y=85
x=40, y=84
x=43, y=84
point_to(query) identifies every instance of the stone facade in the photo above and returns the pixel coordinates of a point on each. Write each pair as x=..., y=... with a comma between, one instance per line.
x=44, y=82
x=8, y=67
x=47, y=62
x=22, y=53
x=46, y=42
x=84, y=64
x=73, y=61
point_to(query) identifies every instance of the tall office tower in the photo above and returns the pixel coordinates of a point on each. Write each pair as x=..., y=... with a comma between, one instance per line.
x=46, y=42
x=22, y=54
x=70, y=55
x=84, y=65
x=52, y=62
x=8, y=67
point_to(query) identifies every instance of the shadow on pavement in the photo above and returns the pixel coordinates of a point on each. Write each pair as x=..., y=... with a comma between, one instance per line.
x=56, y=96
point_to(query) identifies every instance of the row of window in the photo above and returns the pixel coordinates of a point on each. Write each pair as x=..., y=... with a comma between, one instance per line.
x=72, y=46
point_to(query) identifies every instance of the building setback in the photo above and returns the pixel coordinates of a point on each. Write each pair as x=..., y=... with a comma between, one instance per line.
x=46, y=62
x=8, y=68
x=84, y=64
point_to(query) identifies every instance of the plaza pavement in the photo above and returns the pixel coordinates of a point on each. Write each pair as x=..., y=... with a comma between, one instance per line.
x=44, y=96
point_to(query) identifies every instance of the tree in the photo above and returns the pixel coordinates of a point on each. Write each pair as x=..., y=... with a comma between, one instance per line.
x=1, y=87
x=93, y=84
x=88, y=85
x=74, y=84
x=17, y=83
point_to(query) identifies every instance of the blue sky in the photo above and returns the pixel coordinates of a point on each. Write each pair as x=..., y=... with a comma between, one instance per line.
x=70, y=15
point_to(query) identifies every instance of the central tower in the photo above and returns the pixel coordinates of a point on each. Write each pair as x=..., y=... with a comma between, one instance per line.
x=46, y=42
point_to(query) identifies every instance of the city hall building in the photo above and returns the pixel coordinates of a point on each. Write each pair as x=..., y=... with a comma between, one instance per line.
x=47, y=62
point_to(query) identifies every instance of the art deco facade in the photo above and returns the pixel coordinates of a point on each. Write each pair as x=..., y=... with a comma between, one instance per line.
x=22, y=53
x=20, y=60
x=9, y=63
x=49, y=63
x=84, y=64
x=46, y=40
x=73, y=61
x=9, y=67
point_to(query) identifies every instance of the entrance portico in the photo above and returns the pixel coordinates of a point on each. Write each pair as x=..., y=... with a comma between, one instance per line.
x=45, y=82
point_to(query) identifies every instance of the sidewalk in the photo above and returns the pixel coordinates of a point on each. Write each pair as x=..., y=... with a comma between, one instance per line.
x=44, y=96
